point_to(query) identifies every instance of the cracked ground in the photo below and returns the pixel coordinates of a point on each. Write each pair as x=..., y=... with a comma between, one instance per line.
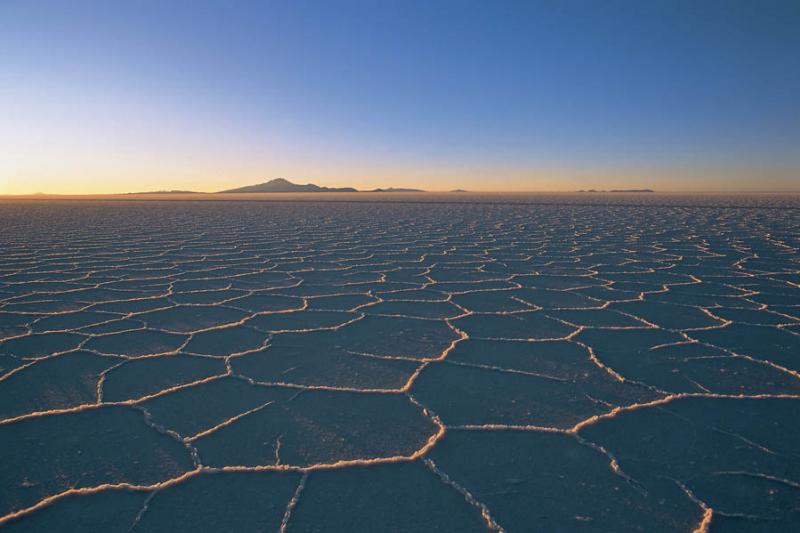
x=549, y=365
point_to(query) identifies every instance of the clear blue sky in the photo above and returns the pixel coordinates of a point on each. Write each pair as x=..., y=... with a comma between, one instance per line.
x=112, y=96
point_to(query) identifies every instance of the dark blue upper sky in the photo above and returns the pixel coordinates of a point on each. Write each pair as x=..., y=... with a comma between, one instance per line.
x=478, y=94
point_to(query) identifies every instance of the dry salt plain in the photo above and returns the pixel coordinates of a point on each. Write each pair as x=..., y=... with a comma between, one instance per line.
x=582, y=363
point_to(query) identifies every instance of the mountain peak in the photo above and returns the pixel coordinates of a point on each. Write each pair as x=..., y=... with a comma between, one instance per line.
x=284, y=185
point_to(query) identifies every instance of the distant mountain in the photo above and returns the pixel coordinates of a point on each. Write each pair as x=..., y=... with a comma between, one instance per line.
x=282, y=185
x=458, y=190
x=395, y=189
x=618, y=190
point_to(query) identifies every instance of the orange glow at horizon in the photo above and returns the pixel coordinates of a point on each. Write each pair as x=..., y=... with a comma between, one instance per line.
x=214, y=178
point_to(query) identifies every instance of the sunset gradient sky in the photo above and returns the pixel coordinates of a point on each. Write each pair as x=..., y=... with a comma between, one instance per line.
x=104, y=97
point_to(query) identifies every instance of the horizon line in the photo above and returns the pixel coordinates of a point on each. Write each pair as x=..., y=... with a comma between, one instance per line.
x=168, y=193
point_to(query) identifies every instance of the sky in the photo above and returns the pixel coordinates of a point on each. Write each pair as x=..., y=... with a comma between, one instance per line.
x=106, y=97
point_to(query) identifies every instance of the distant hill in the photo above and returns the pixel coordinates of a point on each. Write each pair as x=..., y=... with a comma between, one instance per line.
x=395, y=189
x=618, y=190
x=282, y=185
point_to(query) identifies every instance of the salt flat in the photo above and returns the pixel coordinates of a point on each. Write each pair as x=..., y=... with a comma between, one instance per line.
x=413, y=363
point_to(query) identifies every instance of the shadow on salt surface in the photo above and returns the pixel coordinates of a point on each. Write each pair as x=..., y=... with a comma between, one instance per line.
x=393, y=336
x=344, y=302
x=186, y=319
x=421, y=295
x=708, y=288
x=317, y=291
x=760, y=342
x=44, y=306
x=261, y=280
x=337, y=277
x=775, y=299
x=136, y=343
x=700, y=300
x=466, y=395
x=558, y=359
x=596, y=318
x=117, y=326
x=56, y=383
x=405, y=273
x=608, y=294
x=754, y=317
x=314, y=359
x=190, y=285
x=110, y=512
x=556, y=299
x=395, y=497
x=668, y=316
x=41, y=344
x=518, y=326
x=535, y=481
x=548, y=281
x=374, y=286
x=98, y=295
x=8, y=363
x=649, y=356
x=13, y=324
x=432, y=310
x=134, y=306
x=240, y=501
x=207, y=297
x=725, y=451
x=653, y=279
x=456, y=287
x=71, y=321
x=259, y=303
x=227, y=341
x=199, y=408
x=464, y=274
x=137, y=378
x=96, y=446
x=492, y=302
x=320, y=427
x=301, y=320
